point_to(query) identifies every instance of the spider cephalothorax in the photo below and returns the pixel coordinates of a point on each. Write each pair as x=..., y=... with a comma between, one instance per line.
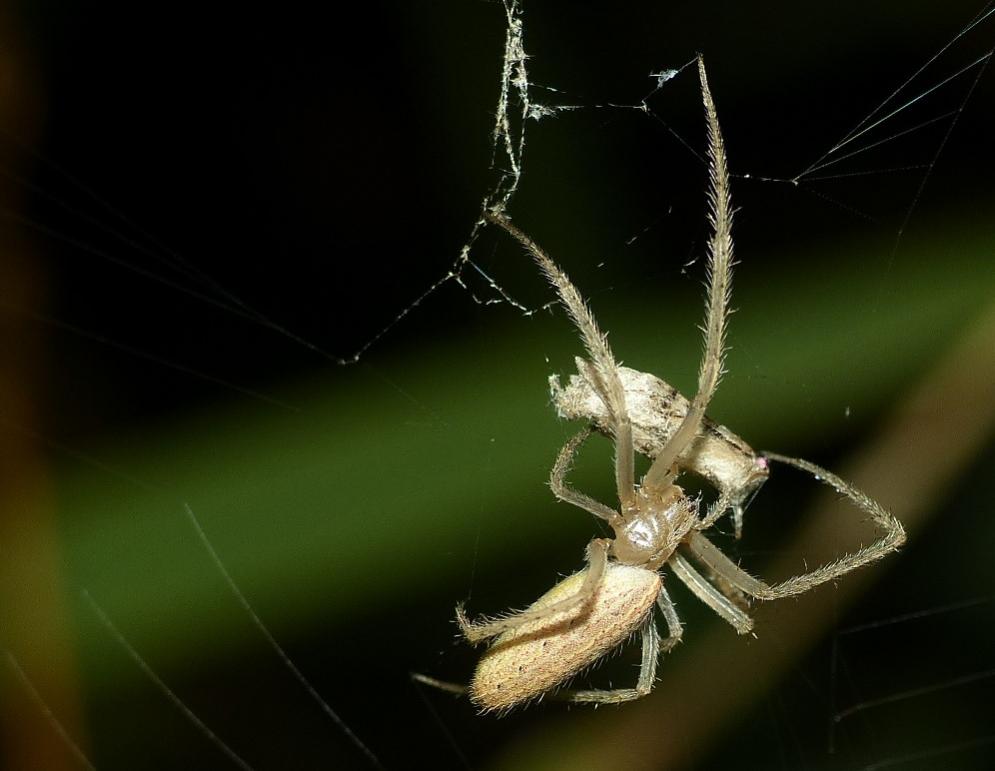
x=652, y=526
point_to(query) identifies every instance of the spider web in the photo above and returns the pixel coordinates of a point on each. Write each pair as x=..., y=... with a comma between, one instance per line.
x=835, y=178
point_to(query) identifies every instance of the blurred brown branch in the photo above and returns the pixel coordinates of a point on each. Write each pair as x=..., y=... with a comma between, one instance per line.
x=33, y=624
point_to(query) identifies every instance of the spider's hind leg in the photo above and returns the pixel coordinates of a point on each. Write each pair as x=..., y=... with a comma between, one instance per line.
x=647, y=675
x=442, y=685
x=652, y=648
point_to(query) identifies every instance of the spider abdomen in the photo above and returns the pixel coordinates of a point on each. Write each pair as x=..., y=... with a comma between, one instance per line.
x=527, y=661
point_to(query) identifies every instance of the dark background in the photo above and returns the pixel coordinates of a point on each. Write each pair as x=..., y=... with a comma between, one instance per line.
x=181, y=180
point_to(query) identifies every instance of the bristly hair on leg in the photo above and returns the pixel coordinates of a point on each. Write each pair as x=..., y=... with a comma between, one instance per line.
x=603, y=370
x=719, y=283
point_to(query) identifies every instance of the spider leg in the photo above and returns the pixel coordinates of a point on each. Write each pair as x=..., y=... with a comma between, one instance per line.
x=560, y=488
x=663, y=471
x=603, y=372
x=730, y=500
x=893, y=536
x=647, y=674
x=675, y=630
x=717, y=509
x=709, y=595
x=652, y=648
x=718, y=579
x=597, y=555
x=442, y=685
x=710, y=555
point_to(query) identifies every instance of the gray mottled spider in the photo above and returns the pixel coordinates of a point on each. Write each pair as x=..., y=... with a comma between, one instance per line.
x=655, y=524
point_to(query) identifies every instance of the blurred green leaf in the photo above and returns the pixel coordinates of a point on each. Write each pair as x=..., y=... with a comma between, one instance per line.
x=380, y=481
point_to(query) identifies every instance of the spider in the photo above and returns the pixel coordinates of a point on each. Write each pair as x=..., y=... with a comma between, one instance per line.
x=655, y=524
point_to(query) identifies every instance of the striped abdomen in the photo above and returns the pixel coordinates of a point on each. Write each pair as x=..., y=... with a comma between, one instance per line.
x=528, y=661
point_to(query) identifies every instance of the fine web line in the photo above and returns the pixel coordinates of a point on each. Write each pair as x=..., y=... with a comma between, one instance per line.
x=935, y=752
x=912, y=693
x=822, y=163
x=47, y=712
x=984, y=60
x=515, y=108
x=150, y=673
x=862, y=127
x=839, y=668
x=507, y=154
x=508, y=145
x=217, y=296
x=167, y=256
x=147, y=670
x=139, y=353
x=277, y=648
x=439, y=723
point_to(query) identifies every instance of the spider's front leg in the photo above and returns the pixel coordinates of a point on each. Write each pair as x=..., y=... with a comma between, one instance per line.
x=602, y=371
x=597, y=557
x=664, y=469
x=892, y=536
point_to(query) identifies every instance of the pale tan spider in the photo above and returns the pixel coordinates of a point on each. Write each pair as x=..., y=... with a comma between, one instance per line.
x=595, y=610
